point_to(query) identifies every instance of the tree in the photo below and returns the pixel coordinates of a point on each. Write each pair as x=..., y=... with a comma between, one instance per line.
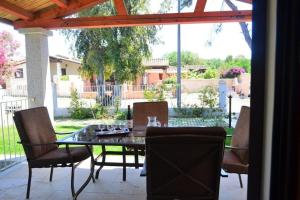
x=243, y=25
x=239, y=61
x=8, y=47
x=187, y=58
x=214, y=63
x=114, y=50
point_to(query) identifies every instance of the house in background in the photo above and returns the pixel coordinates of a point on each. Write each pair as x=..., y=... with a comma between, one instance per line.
x=64, y=73
x=159, y=69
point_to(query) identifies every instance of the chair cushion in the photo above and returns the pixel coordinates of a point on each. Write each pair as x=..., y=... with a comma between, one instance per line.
x=34, y=127
x=60, y=156
x=240, y=136
x=232, y=164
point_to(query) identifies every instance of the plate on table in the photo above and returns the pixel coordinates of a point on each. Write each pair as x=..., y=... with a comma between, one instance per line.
x=121, y=132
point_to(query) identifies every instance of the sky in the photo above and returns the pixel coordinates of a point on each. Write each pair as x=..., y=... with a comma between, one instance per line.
x=194, y=37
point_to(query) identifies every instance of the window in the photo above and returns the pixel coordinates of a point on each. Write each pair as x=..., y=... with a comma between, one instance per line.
x=19, y=73
x=63, y=71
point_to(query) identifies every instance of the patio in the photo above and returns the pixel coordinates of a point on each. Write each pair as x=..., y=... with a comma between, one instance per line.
x=14, y=180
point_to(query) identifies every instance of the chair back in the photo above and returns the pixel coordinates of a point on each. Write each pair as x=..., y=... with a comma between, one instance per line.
x=184, y=163
x=240, y=136
x=142, y=110
x=34, y=127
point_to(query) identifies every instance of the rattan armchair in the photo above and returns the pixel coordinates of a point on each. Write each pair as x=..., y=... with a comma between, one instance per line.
x=39, y=142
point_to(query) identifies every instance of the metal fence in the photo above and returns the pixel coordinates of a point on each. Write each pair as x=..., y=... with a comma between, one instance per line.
x=10, y=151
x=18, y=91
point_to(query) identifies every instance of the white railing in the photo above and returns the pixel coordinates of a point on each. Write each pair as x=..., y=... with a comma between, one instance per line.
x=10, y=151
x=18, y=92
x=156, y=62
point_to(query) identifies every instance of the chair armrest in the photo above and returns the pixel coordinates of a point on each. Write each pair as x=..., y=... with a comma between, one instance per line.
x=42, y=144
x=64, y=133
x=236, y=148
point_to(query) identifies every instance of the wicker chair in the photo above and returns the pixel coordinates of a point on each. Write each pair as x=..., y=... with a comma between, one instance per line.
x=184, y=163
x=39, y=142
x=236, y=156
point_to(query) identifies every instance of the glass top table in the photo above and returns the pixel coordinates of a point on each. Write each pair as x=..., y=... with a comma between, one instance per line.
x=92, y=135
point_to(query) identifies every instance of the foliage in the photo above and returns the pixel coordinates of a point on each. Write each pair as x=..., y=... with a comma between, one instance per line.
x=214, y=63
x=193, y=74
x=64, y=78
x=211, y=73
x=187, y=58
x=117, y=50
x=120, y=115
x=239, y=61
x=99, y=111
x=154, y=94
x=190, y=58
x=170, y=80
x=208, y=97
x=117, y=104
x=233, y=72
x=189, y=111
x=8, y=48
x=77, y=109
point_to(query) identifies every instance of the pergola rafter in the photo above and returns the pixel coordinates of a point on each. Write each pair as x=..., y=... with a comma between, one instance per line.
x=138, y=20
x=73, y=7
x=246, y=1
x=15, y=10
x=120, y=7
x=61, y=3
x=54, y=15
x=200, y=5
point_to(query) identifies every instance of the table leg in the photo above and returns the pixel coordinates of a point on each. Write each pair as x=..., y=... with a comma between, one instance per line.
x=124, y=162
x=103, y=161
x=136, y=157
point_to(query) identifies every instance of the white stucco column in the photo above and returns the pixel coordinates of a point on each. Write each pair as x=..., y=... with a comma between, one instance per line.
x=38, y=68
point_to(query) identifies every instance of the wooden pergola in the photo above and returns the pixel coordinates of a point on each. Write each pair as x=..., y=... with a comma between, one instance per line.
x=51, y=14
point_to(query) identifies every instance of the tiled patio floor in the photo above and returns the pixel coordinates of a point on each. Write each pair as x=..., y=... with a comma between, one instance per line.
x=109, y=186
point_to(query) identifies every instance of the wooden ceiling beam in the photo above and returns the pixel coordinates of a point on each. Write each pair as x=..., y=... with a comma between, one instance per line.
x=200, y=5
x=73, y=7
x=246, y=1
x=120, y=7
x=138, y=20
x=15, y=10
x=5, y=21
x=61, y=3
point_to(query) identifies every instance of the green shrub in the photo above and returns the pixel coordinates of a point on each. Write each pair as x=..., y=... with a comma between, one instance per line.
x=150, y=95
x=188, y=111
x=77, y=109
x=117, y=104
x=99, y=111
x=64, y=78
x=120, y=115
x=155, y=94
x=170, y=80
x=211, y=73
x=208, y=97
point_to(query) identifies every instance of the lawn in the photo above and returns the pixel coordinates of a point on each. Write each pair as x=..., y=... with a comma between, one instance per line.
x=9, y=138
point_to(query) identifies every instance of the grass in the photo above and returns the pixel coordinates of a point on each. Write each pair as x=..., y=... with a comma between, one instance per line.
x=11, y=137
x=229, y=132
